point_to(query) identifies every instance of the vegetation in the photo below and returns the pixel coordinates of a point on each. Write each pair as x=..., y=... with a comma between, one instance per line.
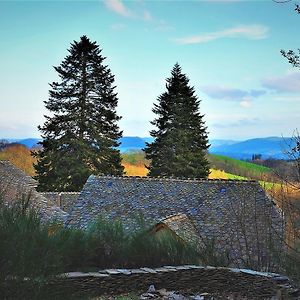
x=36, y=251
x=238, y=167
x=81, y=136
x=135, y=163
x=181, y=140
x=20, y=156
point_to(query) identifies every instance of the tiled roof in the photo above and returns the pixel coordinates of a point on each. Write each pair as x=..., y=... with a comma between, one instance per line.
x=14, y=184
x=14, y=174
x=205, y=201
x=182, y=226
x=237, y=215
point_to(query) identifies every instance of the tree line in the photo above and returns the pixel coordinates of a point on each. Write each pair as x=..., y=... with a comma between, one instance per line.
x=80, y=137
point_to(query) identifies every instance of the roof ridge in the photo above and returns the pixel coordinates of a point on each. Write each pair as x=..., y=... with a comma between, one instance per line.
x=178, y=179
x=69, y=193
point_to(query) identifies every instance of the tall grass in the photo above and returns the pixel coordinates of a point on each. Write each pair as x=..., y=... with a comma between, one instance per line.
x=28, y=256
x=32, y=253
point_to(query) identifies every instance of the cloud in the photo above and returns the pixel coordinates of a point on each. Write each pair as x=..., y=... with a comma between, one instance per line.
x=137, y=12
x=290, y=83
x=162, y=25
x=246, y=103
x=231, y=94
x=118, y=7
x=221, y=92
x=244, y=97
x=239, y=123
x=252, y=32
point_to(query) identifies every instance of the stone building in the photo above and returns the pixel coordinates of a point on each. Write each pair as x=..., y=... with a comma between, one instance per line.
x=65, y=200
x=15, y=185
x=236, y=217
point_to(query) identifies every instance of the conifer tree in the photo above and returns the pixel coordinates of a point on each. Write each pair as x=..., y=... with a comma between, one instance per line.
x=81, y=134
x=180, y=140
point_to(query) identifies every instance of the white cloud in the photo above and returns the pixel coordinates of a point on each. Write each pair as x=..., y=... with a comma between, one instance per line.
x=246, y=103
x=118, y=7
x=289, y=82
x=252, y=32
x=231, y=94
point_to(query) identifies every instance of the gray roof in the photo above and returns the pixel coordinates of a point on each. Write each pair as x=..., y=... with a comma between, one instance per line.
x=15, y=184
x=15, y=175
x=205, y=201
x=237, y=216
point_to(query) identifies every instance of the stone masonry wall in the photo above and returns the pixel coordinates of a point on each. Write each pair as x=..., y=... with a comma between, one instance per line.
x=246, y=283
x=65, y=200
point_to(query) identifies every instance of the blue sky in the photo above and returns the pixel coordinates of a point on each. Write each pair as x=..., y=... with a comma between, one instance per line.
x=229, y=49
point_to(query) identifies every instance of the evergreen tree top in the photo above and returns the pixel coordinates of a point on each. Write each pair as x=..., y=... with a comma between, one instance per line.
x=81, y=135
x=180, y=138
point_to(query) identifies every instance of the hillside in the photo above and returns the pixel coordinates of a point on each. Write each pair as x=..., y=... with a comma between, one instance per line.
x=238, y=167
x=134, y=162
x=268, y=147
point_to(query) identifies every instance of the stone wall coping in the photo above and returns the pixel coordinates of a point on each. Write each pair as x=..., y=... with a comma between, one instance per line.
x=194, y=277
x=60, y=193
x=173, y=179
x=112, y=272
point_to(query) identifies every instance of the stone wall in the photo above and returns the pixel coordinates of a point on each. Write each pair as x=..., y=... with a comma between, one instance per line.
x=65, y=200
x=193, y=279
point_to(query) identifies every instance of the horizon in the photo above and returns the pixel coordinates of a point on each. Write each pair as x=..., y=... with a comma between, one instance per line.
x=230, y=50
x=145, y=137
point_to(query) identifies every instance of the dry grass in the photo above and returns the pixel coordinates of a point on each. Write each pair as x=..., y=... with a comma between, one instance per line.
x=140, y=170
x=135, y=170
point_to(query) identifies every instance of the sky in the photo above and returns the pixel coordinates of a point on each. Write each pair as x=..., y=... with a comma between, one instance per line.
x=229, y=49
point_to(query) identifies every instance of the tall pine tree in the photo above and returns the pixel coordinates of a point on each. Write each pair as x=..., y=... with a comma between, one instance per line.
x=81, y=135
x=180, y=140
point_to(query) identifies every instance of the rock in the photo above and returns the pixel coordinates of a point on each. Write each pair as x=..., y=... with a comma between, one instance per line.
x=146, y=296
x=173, y=296
x=163, y=292
x=151, y=289
x=197, y=297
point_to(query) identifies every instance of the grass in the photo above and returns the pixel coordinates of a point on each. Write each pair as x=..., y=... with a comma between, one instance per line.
x=222, y=167
x=238, y=167
x=135, y=170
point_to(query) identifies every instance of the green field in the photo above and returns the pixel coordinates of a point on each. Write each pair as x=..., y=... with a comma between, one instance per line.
x=238, y=168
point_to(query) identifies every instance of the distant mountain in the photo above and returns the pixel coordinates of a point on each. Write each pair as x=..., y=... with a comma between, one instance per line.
x=216, y=142
x=268, y=147
x=133, y=143
x=273, y=147
x=28, y=142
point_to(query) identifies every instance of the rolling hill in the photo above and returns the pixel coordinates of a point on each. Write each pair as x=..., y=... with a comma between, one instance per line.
x=273, y=147
x=270, y=147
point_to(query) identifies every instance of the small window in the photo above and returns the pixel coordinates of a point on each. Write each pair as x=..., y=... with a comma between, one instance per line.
x=223, y=190
x=110, y=184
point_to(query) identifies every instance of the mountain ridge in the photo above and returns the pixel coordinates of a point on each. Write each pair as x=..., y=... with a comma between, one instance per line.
x=268, y=147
